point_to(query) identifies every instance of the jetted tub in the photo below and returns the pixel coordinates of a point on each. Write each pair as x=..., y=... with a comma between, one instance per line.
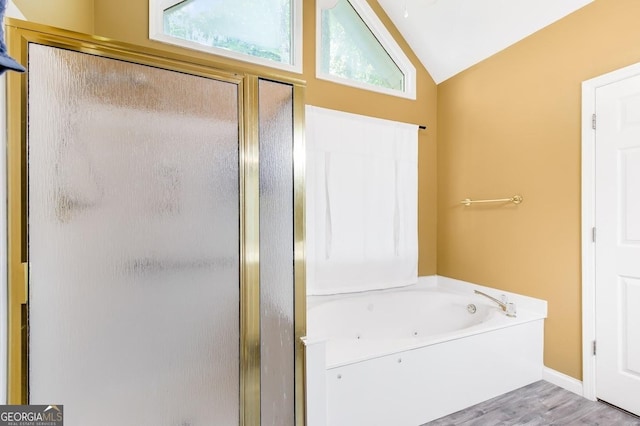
x=411, y=355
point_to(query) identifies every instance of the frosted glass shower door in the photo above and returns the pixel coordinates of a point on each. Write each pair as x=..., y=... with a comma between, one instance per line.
x=277, y=330
x=133, y=230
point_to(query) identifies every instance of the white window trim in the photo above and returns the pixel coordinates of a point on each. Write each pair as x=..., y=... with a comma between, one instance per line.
x=387, y=41
x=156, y=32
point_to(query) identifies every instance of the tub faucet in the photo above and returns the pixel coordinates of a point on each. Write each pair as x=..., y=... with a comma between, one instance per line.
x=508, y=307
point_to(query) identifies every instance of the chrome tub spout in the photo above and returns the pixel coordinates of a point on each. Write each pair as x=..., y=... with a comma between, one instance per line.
x=508, y=307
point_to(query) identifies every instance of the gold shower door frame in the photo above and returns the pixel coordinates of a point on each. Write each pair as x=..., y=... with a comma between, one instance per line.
x=19, y=35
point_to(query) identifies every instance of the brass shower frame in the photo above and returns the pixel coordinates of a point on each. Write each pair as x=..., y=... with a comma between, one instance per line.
x=19, y=34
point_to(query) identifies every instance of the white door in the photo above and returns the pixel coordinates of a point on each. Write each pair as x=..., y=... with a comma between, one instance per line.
x=618, y=244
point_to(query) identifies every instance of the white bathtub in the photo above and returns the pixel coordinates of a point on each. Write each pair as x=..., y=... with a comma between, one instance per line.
x=408, y=356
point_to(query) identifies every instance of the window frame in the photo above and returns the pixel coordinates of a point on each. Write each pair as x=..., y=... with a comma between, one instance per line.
x=386, y=40
x=156, y=33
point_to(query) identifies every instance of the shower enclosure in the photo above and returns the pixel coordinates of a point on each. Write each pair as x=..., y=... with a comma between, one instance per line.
x=156, y=265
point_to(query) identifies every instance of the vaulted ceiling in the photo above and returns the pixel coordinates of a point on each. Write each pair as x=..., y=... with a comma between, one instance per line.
x=449, y=36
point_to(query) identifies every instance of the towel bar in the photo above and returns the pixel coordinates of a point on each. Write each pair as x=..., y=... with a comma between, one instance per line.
x=516, y=199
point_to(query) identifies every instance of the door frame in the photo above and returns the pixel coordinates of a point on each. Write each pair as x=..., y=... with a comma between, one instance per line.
x=589, y=87
x=18, y=36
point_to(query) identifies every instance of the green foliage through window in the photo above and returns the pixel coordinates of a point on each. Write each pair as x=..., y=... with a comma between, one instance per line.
x=257, y=28
x=350, y=50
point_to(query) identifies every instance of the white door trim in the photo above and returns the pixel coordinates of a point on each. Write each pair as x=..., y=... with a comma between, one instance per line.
x=589, y=88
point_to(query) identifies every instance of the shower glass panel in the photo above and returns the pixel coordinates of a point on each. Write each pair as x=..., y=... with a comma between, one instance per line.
x=133, y=225
x=276, y=253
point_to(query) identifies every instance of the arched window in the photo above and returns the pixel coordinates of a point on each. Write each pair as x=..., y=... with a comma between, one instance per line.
x=266, y=32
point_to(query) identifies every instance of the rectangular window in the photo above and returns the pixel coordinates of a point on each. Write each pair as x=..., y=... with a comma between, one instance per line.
x=263, y=32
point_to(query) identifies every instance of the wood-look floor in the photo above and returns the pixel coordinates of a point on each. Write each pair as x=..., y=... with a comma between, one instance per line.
x=539, y=404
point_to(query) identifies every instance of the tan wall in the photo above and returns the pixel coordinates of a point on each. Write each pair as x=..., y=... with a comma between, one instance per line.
x=128, y=21
x=74, y=15
x=132, y=27
x=509, y=125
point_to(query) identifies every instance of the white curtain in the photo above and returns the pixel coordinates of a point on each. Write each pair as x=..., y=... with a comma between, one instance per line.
x=362, y=207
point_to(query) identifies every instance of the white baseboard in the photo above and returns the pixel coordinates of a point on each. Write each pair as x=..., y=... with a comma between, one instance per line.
x=562, y=380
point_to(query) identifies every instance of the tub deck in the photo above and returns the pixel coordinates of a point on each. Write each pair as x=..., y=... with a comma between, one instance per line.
x=410, y=381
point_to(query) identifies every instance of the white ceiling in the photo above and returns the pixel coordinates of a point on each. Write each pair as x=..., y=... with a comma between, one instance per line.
x=449, y=36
